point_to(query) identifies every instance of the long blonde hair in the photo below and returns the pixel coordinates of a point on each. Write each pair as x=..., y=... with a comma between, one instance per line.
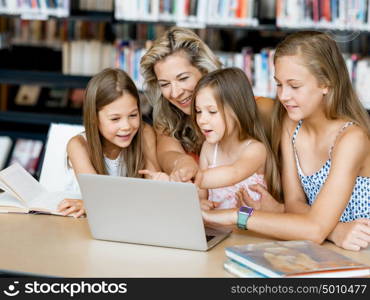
x=167, y=118
x=322, y=57
x=231, y=88
x=104, y=88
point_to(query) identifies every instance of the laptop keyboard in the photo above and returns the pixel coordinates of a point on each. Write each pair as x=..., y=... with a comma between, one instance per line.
x=209, y=237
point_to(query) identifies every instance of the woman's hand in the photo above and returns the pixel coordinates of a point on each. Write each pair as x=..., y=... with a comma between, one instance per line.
x=155, y=175
x=73, y=207
x=353, y=235
x=184, y=170
x=265, y=203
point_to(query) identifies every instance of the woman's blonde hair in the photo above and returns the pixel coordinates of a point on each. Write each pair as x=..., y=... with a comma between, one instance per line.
x=322, y=57
x=104, y=88
x=167, y=118
x=231, y=88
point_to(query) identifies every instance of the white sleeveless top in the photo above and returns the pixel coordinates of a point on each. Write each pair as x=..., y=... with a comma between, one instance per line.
x=115, y=167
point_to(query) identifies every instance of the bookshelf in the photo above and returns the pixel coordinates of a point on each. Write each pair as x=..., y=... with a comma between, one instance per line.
x=52, y=79
x=261, y=29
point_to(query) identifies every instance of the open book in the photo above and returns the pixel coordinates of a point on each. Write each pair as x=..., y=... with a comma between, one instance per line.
x=21, y=193
x=293, y=259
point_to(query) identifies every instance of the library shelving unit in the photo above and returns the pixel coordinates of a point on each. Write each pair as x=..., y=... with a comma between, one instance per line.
x=34, y=123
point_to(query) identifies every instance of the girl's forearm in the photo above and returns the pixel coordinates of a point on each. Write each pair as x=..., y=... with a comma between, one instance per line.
x=286, y=226
x=170, y=160
x=218, y=177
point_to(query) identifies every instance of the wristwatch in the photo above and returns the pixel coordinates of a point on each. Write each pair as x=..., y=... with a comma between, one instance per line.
x=243, y=215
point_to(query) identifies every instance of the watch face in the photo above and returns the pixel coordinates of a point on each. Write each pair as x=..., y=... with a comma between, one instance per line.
x=245, y=209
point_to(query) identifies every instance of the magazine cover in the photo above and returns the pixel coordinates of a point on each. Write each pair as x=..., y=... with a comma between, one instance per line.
x=295, y=258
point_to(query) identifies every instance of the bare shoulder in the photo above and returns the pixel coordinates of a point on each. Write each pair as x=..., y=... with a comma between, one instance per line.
x=253, y=148
x=76, y=142
x=353, y=137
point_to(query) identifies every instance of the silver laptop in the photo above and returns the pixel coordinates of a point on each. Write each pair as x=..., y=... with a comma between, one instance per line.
x=147, y=212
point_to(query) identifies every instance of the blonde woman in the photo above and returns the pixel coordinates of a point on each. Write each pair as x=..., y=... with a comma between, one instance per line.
x=171, y=69
x=116, y=141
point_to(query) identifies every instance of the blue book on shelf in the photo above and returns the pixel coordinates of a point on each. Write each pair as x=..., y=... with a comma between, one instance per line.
x=295, y=259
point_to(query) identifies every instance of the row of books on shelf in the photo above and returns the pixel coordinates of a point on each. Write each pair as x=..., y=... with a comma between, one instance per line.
x=290, y=259
x=63, y=101
x=90, y=57
x=42, y=9
x=52, y=32
x=336, y=14
x=328, y=14
x=92, y=5
x=194, y=13
x=44, y=97
x=87, y=57
x=32, y=9
x=25, y=152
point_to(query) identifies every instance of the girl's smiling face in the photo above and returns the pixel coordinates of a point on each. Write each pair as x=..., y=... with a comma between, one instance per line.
x=119, y=121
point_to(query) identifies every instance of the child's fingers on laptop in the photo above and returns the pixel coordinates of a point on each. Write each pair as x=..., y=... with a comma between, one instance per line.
x=149, y=174
x=206, y=205
x=155, y=175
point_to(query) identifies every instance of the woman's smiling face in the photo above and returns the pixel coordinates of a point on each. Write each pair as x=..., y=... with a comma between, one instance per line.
x=177, y=78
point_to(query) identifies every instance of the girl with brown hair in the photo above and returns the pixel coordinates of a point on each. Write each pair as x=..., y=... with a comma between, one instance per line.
x=116, y=141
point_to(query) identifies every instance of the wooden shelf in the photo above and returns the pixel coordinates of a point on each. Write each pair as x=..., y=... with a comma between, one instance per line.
x=48, y=79
x=38, y=118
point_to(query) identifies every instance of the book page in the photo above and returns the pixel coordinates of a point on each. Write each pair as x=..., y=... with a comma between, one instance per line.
x=22, y=183
x=47, y=201
x=7, y=199
x=5, y=189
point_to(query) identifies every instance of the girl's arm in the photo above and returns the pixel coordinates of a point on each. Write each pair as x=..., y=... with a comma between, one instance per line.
x=152, y=169
x=251, y=159
x=79, y=157
x=203, y=165
x=173, y=160
x=150, y=149
x=317, y=223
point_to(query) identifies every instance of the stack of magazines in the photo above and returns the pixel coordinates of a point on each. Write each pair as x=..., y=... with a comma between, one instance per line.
x=290, y=259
